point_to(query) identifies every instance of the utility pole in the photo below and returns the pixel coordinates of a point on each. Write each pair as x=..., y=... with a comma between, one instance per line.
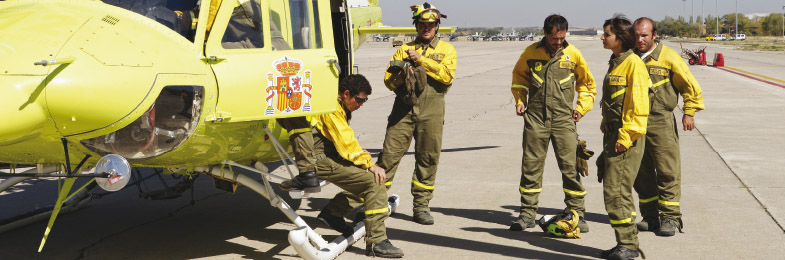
x=684, y=9
x=783, y=21
x=737, y=19
x=717, y=11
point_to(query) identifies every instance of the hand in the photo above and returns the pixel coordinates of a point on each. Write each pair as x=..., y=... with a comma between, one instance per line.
x=689, y=122
x=576, y=116
x=413, y=55
x=379, y=175
x=519, y=109
x=602, y=128
x=620, y=148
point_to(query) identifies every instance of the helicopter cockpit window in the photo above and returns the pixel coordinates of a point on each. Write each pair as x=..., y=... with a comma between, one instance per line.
x=244, y=30
x=301, y=24
x=162, y=128
x=178, y=15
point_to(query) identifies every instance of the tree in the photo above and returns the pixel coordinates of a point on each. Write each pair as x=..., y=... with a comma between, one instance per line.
x=772, y=24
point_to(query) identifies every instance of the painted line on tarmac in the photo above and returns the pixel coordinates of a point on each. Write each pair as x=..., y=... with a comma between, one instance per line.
x=742, y=73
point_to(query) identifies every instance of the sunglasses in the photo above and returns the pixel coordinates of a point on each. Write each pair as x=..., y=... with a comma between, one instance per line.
x=360, y=100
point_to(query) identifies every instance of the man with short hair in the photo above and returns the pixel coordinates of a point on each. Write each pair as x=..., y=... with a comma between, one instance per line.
x=659, y=179
x=544, y=82
x=341, y=161
x=418, y=111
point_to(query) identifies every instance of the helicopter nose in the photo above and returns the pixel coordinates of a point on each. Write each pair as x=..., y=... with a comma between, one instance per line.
x=21, y=116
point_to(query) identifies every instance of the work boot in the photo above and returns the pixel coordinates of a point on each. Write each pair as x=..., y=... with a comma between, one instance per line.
x=383, y=249
x=336, y=223
x=619, y=253
x=522, y=223
x=423, y=218
x=667, y=227
x=301, y=181
x=583, y=225
x=649, y=224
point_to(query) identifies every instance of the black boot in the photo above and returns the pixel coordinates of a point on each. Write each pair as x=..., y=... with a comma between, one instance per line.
x=423, y=218
x=619, y=253
x=383, y=249
x=301, y=181
x=522, y=223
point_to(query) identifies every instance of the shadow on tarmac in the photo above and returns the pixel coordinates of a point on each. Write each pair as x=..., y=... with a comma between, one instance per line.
x=534, y=237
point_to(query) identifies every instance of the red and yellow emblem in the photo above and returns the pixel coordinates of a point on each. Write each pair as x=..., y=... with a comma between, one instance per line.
x=291, y=91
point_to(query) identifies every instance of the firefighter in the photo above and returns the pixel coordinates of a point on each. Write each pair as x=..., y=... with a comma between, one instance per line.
x=418, y=111
x=659, y=178
x=625, y=108
x=544, y=82
x=341, y=161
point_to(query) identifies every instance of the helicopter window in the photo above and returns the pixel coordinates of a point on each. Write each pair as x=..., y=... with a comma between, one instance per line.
x=162, y=128
x=244, y=30
x=317, y=26
x=301, y=30
x=178, y=15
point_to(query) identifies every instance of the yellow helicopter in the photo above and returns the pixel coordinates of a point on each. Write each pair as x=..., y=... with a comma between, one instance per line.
x=190, y=86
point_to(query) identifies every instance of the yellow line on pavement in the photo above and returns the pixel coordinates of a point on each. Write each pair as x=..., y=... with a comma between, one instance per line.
x=758, y=75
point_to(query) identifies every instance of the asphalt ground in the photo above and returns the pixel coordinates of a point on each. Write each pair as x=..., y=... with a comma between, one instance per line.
x=731, y=196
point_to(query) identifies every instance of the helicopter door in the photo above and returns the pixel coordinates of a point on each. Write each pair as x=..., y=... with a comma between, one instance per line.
x=271, y=59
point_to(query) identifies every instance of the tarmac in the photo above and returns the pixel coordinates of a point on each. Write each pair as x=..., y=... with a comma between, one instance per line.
x=732, y=182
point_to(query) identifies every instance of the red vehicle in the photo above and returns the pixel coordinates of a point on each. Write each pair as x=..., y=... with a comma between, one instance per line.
x=695, y=57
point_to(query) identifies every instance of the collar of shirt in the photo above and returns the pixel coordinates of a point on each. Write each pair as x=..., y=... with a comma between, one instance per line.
x=420, y=43
x=618, y=60
x=643, y=56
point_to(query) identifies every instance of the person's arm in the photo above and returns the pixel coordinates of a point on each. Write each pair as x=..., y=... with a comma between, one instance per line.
x=443, y=72
x=520, y=83
x=635, y=111
x=584, y=85
x=690, y=91
x=335, y=128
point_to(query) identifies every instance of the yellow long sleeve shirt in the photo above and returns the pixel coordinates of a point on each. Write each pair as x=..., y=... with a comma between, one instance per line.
x=668, y=71
x=335, y=128
x=439, y=60
x=536, y=69
x=625, y=97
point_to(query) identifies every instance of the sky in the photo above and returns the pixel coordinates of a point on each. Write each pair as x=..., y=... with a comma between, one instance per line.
x=579, y=13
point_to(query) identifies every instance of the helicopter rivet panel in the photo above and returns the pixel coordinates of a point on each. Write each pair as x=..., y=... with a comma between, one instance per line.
x=111, y=48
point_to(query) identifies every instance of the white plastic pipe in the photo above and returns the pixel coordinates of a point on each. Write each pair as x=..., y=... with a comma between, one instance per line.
x=298, y=238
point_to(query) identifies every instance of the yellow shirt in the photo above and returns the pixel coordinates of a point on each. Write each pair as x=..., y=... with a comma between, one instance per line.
x=439, y=60
x=571, y=65
x=628, y=76
x=335, y=128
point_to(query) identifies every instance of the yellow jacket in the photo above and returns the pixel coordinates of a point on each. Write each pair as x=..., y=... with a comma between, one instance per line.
x=439, y=60
x=668, y=70
x=536, y=68
x=335, y=128
x=626, y=93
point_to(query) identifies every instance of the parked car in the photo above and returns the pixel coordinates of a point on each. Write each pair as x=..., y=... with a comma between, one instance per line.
x=720, y=37
x=740, y=37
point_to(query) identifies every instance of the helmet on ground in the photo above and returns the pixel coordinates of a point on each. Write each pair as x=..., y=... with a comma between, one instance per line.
x=564, y=224
x=426, y=13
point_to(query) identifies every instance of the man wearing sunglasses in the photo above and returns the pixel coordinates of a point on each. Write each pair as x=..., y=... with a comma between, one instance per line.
x=544, y=82
x=341, y=161
x=420, y=115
